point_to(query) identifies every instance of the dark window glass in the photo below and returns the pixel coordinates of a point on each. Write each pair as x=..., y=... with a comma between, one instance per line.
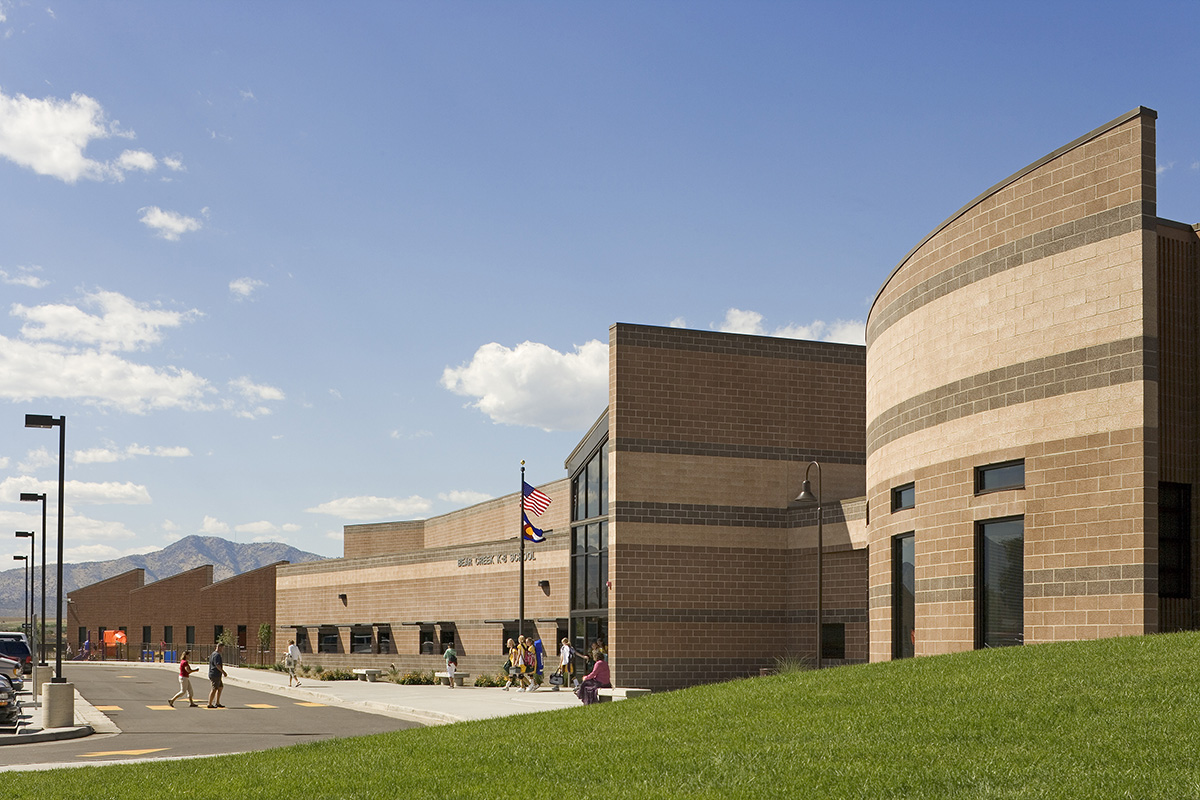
x=995, y=477
x=302, y=640
x=217, y=631
x=1174, y=540
x=604, y=478
x=169, y=634
x=833, y=640
x=904, y=594
x=593, y=486
x=83, y=635
x=447, y=639
x=1001, y=582
x=509, y=633
x=384, y=638
x=327, y=640
x=361, y=640
x=146, y=633
x=427, y=646
x=190, y=633
x=904, y=497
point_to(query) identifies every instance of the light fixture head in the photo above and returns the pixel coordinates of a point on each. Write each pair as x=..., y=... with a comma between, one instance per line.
x=20, y=558
x=25, y=534
x=806, y=495
x=32, y=496
x=40, y=421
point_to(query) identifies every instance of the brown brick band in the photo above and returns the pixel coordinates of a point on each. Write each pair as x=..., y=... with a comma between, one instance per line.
x=1088, y=368
x=729, y=516
x=1059, y=239
x=718, y=450
x=741, y=345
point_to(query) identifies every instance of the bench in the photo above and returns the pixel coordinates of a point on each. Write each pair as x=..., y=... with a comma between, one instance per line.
x=443, y=678
x=371, y=675
x=615, y=694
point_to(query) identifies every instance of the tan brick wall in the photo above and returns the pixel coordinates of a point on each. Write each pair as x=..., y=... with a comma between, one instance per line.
x=713, y=568
x=1024, y=327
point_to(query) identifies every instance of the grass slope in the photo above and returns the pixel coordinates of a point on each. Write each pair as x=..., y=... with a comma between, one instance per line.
x=1108, y=719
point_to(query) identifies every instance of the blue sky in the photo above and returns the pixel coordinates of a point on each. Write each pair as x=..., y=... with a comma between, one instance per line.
x=288, y=266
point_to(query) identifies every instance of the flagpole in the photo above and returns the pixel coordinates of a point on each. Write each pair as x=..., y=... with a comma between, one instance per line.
x=521, y=537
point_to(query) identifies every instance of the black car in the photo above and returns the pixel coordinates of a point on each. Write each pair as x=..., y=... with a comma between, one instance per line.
x=10, y=706
x=18, y=651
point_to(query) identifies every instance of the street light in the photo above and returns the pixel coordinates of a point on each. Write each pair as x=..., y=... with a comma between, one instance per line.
x=29, y=535
x=45, y=421
x=33, y=497
x=25, y=608
x=806, y=496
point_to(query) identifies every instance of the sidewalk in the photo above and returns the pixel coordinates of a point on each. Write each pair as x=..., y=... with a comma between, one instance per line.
x=428, y=705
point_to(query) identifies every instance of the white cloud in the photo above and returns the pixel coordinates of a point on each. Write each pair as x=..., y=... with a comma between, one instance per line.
x=464, y=498
x=105, y=455
x=213, y=527
x=23, y=278
x=169, y=225
x=137, y=159
x=262, y=527
x=3, y=462
x=242, y=288
x=76, y=492
x=844, y=331
x=535, y=385
x=49, y=136
x=255, y=391
x=37, y=459
x=678, y=322
x=1160, y=168
x=121, y=325
x=174, y=164
x=31, y=371
x=366, y=507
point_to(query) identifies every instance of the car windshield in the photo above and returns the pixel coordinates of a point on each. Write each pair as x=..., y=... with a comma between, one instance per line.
x=13, y=647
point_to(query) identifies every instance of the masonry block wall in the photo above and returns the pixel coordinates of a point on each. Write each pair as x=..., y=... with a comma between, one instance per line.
x=464, y=582
x=709, y=437
x=1025, y=328
x=104, y=604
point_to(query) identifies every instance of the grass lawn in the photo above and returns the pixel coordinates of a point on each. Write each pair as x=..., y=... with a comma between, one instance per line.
x=1108, y=719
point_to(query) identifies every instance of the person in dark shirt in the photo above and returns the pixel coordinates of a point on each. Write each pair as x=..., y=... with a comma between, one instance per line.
x=216, y=672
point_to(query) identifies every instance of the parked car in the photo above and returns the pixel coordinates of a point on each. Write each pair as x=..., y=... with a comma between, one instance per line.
x=18, y=651
x=16, y=635
x=12, y=671
x=10, y=706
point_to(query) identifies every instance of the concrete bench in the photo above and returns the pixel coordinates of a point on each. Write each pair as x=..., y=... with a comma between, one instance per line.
x=371, y=675
x=443, y=678
x=615, y=694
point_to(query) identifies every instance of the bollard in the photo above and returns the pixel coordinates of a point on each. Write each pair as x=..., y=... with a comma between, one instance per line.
x=58, y=705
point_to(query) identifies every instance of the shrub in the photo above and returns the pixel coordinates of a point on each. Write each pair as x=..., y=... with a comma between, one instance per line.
x=789, y=663
x=417, y=678
x=336, y=674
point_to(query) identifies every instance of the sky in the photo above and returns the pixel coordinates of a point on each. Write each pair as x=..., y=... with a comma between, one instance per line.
x=288, y=266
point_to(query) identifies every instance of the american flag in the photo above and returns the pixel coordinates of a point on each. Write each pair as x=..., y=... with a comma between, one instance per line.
x=534, y=499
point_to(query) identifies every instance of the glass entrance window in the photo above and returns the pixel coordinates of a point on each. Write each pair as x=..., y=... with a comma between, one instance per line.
x=1000, y=586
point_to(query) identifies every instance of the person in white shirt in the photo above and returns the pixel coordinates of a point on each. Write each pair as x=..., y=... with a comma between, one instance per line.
x=292, y=661
x=566, y=658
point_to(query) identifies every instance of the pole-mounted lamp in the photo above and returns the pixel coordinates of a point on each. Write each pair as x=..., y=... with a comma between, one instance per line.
x=33, y=497
x=46, y=421
x=806, y=496
x=28, y=599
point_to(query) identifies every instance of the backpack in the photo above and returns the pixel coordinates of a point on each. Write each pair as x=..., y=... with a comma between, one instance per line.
x=529, y=660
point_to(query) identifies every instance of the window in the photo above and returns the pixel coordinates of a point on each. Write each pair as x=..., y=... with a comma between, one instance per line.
x=1174, y=540
x=1000, y=582
x=302, y=640
x=217, y=631
x=169, y=634
x=361, y=640
x=904, y=596
x=997, y=477
x=427, y=646
x=833, y=640
x=384, y=638
x=327, y=640
x=190, y=633
x=904, y=497
x=447, y=639
x=147, y=633
x=508, y=633
x=83, y=635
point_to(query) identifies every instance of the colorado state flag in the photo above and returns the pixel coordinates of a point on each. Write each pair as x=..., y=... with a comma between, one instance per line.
x=531, y=533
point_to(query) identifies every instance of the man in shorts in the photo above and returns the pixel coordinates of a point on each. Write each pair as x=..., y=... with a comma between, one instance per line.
x=216, y=672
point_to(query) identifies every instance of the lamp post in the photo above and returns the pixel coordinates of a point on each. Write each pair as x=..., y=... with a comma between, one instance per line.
x=25, y=607
x=33, y=497
x=46, y=421
x=29, y=535
x=806, y=496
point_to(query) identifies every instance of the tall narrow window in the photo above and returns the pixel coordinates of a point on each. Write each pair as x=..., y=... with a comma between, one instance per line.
x=904, y=596
x=1000, y=586
x=1174, y=540
x=589, y=540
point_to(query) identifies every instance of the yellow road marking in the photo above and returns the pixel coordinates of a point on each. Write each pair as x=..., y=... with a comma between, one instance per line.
x=123, y=752
x=160, y=708
x=311, y=705
x=259, y=705
x=108, y=708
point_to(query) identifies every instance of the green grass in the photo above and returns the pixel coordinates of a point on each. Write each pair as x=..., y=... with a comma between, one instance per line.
x=1109, y=719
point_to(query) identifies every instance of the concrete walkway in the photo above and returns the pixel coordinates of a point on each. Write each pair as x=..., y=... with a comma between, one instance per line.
x=429, y=705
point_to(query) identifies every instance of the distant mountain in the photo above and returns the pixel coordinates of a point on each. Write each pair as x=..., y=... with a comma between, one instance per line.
x=228, y=559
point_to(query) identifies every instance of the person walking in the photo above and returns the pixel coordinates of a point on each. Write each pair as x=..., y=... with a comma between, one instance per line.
x=451, y=658
x=510, y=666
x=528, y=665
x=292, y=662
x=185, y=681
x=216, y=675
x=566, y=663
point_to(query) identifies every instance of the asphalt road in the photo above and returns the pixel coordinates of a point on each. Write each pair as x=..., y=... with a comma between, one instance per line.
x=136, y=701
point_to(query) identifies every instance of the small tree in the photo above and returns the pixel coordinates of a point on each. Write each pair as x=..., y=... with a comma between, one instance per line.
x=264, y=637
x=228, y=638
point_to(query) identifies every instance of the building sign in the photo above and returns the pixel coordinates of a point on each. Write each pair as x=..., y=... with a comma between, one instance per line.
x=498, y=558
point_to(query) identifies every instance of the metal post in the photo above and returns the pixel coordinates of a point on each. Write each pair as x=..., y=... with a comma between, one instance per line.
x=521, y=537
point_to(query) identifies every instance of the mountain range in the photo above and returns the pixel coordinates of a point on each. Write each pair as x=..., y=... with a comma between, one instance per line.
x=228, y=559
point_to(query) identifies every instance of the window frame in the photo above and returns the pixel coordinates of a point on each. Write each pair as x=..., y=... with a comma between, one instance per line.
x=987, y=469
x=985, y=638
x=898, y=493
x=899, y=650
